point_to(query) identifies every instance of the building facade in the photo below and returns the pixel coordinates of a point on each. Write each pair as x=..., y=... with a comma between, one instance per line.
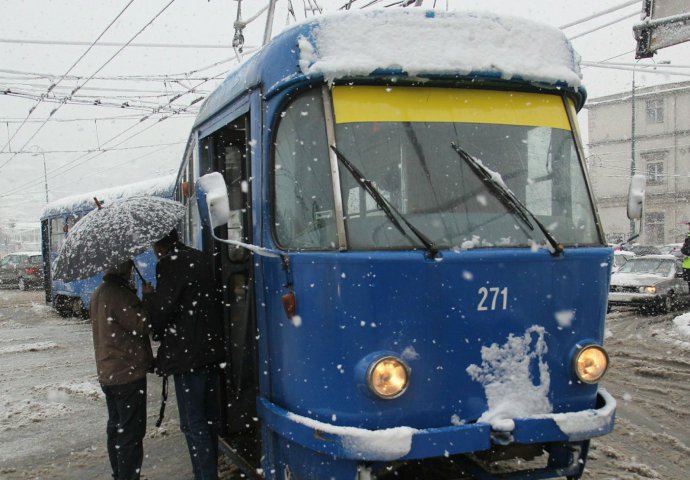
x=654, y=142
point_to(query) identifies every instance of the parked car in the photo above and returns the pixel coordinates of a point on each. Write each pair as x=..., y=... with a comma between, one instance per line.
x=620, y=258
x=672, y=249
x=22, y=270
x=653, y=283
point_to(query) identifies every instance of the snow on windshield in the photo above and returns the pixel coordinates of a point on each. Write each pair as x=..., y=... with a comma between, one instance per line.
x=419, y=41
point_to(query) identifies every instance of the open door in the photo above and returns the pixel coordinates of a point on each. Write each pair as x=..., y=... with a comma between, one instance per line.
x=226, y=152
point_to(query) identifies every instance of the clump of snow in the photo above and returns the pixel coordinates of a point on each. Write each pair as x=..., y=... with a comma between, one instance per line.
x=19, y=413
x=426, y=42
x=29, y=347
x=511, y=392
x=681, y=324
x=386, y=444
x=296, y=321
x=564, y=318
x=409, y=353
x=62, y=391
x=40, y=308
x=580, y=425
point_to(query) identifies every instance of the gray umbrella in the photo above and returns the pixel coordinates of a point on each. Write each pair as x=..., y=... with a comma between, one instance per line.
x=114, y=233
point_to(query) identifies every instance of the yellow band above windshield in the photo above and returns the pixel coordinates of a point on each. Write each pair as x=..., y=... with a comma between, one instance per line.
x=420, y=104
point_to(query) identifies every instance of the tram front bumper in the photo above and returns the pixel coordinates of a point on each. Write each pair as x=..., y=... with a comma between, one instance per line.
x=405, y=443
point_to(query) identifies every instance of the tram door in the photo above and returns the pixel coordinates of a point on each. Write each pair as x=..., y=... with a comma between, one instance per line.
x=226, y=151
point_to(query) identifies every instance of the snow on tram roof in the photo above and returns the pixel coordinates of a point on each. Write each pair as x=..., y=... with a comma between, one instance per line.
x=406, y=42
x=161, y=187
x=430, y=42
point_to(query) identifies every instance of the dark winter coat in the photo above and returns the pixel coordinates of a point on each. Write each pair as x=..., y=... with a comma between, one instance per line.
x=120, y=332
x=186, y=313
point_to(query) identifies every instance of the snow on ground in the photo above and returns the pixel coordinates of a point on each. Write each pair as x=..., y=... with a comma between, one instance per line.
x=62, y=391
x=678, y=334
x=52, y=409
x=28, y=347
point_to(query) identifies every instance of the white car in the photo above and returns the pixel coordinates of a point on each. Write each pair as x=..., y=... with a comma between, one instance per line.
x=620, y=257
x=653, y=283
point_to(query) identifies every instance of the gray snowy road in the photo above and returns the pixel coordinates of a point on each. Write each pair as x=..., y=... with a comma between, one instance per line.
x=52, y=414
x=650, y=378
x=52, y=411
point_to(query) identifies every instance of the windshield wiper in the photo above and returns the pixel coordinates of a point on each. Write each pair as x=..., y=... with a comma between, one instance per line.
x=387, y=207
x=496, y=186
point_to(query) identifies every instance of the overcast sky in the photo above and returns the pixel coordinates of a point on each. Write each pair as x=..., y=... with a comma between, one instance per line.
x=143, y=125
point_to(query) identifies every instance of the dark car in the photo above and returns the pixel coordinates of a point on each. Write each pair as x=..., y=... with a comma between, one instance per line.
x=652, y=283
x=22, y=270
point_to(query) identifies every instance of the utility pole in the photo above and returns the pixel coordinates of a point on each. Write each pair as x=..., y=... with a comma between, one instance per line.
x=45, y=170
x=632, y=144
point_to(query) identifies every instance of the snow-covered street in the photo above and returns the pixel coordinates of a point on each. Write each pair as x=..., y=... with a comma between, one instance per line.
x=52, y=412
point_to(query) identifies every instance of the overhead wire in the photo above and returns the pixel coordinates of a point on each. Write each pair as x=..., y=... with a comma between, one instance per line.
x=139, y=32
x=599, y=14
x=66, y=73
x=82, y=159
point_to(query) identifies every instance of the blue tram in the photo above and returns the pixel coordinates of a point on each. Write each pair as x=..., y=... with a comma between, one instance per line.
x=58, y=217
x=414, y=272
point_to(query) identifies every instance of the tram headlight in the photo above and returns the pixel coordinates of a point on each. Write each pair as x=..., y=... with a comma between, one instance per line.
x=590, y=363
x=388, y=377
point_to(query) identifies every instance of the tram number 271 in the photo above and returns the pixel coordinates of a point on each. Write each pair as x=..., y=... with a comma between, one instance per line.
x=498, y=296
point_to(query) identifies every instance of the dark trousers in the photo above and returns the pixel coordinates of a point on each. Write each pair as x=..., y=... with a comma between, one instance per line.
x=126, y=427
x=197, y=402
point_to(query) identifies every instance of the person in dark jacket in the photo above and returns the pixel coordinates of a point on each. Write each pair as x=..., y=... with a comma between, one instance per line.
x=186, y=317
x=123, y=357
x=685, y=250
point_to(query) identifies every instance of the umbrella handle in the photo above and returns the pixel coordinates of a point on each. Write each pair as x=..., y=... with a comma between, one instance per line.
x=139, y=273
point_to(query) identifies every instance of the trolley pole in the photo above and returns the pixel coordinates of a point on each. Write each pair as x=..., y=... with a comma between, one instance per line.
x=45, y=171
x=269, y=21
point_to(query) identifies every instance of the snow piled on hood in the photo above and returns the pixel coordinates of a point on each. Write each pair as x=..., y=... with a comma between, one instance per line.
x=429, y=42
x=505, y=374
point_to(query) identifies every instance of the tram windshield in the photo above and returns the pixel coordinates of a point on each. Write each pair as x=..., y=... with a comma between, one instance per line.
x=401, y=140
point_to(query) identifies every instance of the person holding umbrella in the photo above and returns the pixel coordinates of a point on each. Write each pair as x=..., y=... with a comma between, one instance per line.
x=106, y=239
x=186, y=317
x=123, y=357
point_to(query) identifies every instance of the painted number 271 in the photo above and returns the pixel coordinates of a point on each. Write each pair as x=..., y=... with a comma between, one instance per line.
x=493, y=298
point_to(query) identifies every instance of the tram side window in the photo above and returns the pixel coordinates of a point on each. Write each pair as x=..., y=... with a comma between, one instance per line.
x=57, y=234
x=303, y=208
x=225, y=151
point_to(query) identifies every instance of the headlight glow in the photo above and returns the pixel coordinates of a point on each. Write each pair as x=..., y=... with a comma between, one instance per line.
x=647, y=289
x=590, y=363
x=388, y=377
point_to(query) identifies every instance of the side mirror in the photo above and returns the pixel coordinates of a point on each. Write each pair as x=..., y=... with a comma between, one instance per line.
x=636, y=194
x=212, y=193
x=214, y=209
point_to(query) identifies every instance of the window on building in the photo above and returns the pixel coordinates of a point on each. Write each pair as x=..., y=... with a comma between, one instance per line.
x=655, y=162
x=654, y=224
x=655, y=111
